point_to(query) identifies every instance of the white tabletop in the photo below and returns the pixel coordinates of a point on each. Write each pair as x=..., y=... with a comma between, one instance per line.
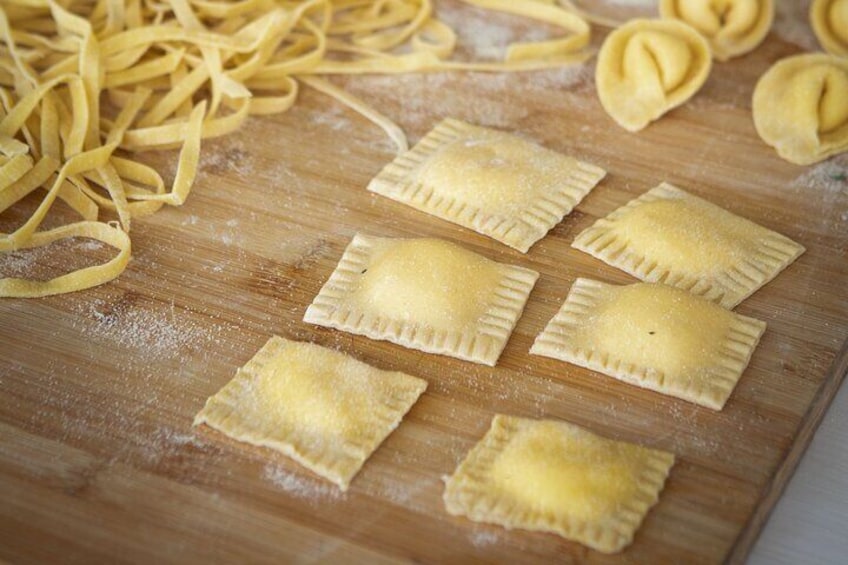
x=809, y=525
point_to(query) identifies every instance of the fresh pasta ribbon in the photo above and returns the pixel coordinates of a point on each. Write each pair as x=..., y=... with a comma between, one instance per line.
x=587, y=15
x=79, y=279
x=87, y=85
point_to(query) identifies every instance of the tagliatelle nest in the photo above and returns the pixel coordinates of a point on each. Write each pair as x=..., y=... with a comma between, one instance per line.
x=178, y=71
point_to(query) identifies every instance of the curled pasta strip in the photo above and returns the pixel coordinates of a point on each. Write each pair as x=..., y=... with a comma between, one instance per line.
x=79, y=279
x=88, y=85
x=589, y=16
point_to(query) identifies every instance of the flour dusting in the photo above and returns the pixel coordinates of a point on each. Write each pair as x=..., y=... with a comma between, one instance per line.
x=160, y=333
x=828, y=176
x=300, y=487
x=484, y=538
x=484, y=34
x=39, y=263
x=166, y=443
x=792, y=23
x=225, y=156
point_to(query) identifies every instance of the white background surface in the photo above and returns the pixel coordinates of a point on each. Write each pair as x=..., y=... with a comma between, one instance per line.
x=809, y=525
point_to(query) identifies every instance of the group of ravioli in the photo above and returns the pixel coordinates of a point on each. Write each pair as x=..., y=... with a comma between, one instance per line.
x=673, y=333
x=800, y=105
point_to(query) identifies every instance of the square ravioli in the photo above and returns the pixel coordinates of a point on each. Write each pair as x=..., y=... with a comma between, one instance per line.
x=654, y=336
x=425, y=294
x=552, y=476
x=669, y=236
x=494, y=183
x=322, y=408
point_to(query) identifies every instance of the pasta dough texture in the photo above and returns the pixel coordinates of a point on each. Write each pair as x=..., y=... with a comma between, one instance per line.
x=830, y=23
x=425, y=294
x=801, y=107
x=654, y=336
x=492, y=182
x=324, y=409
x=647, y=67
x=732, y=27
x=553, y=476
x=669, y=236
x=86, y=85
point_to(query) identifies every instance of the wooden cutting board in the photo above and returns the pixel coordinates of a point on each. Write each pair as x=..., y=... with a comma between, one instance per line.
x=98, y=459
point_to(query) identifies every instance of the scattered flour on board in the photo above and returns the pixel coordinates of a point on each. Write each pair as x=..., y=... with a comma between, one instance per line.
x=333, y=116
x=300, y=487
x=619, y=10
x=226, y=232
x=485, y=34
x=397, y=492
x=828, y=180
x=171, y=438
x=418, y=100
x=226, y=156
x=405, y=491
x=629, y=3
x=21, y=263
x=792, y=23
x=484, y=538
x=160, y=334
x=166, y=443
x=828, y=176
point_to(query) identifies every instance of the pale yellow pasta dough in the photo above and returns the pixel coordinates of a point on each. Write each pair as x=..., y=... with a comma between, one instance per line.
x=553, y=476
x=321, y=407
x=185, y=70
x=668, y=235
x=732, y=27
x=425, y=294
x=495, y=183
x=830, y=23
x=647, y=67
x=801, y=107
x=428, y=281
x=654, y=336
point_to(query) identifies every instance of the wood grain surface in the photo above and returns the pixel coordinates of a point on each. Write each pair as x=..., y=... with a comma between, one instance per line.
x=98, y=459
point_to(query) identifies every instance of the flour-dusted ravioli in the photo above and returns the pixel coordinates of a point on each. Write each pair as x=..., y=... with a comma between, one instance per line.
x=801, y=107
x=324, y=409
x=654, y=336
x=830, y=23
x=425, y=294
x=732, y=27
x=495, y=183
x=669, y=236
x=553, y=476
x=647, y=67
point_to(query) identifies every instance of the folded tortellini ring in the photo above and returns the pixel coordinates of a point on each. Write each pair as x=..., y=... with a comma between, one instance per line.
x=732, y=27
x=829, y=19
x=647, y=67
x=801, y=107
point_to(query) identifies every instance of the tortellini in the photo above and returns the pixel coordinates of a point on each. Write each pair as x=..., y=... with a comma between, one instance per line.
x=830, y=22
x=801, y=107
x=732, y=27
x=647, y=67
